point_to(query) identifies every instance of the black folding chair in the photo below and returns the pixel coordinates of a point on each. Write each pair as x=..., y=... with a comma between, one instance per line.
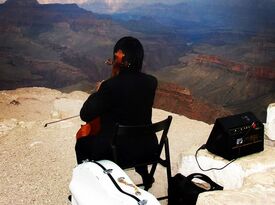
x=141, y=130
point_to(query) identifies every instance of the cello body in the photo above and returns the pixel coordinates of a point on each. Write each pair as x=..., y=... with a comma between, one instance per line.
x=93, y=127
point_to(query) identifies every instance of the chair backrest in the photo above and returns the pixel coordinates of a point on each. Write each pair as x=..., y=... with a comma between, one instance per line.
x=142, y=130
x=145, y=129
x=139, y=130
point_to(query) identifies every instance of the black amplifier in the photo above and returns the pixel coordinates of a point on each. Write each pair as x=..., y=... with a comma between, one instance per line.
x=236, y=136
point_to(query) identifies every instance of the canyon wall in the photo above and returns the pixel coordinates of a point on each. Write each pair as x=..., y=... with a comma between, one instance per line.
x=176, y=99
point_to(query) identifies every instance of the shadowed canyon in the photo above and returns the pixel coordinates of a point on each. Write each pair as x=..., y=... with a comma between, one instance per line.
x=212, y=59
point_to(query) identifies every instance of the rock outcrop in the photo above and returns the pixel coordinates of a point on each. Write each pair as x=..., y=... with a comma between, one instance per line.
x=21, y=2
x=259, y=72
x=176, y=99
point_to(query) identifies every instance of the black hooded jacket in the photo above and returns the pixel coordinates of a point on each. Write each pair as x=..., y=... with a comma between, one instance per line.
x=126, y=99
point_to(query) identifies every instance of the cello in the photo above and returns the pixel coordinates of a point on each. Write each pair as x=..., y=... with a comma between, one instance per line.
x=93, y=127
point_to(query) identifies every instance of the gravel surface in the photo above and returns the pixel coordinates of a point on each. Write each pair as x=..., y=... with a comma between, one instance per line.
x=37, y=161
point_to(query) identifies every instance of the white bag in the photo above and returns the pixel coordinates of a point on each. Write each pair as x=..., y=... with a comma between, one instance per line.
x=270, y=122
x=104, y=182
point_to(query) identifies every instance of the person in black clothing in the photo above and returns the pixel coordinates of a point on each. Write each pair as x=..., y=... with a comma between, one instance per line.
x=126, y=98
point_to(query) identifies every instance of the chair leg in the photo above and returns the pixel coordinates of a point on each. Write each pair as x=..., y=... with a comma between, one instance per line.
x=148, y=183
x=168, y=165
x=147, y=178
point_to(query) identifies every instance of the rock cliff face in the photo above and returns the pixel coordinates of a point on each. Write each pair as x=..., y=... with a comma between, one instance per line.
x=49, y=45
x=259, y=72
x=27, y=13
x=176, y=99
x=21, y=2
x=171, y=97
x=67, y=35
x=235, y=84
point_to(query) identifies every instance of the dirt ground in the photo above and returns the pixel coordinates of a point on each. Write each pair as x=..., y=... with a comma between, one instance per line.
x=37, y=161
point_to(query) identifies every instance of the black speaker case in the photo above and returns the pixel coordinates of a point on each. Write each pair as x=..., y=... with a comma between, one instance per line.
x=236, y=136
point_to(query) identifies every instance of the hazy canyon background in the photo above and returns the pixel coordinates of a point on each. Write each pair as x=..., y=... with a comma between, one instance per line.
x=212, y=58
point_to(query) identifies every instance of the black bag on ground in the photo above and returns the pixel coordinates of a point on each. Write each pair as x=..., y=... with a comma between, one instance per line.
x=183, y=191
